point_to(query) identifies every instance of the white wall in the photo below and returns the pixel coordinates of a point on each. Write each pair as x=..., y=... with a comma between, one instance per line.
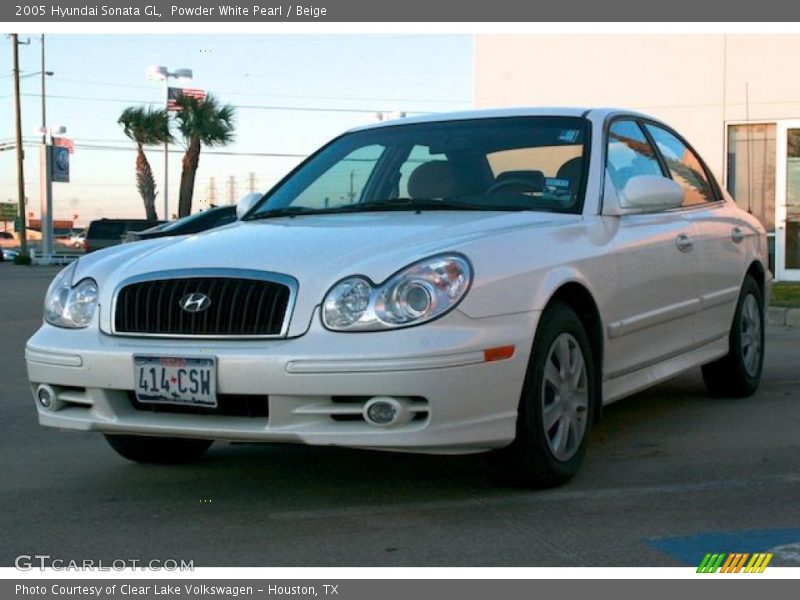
x=696, y=83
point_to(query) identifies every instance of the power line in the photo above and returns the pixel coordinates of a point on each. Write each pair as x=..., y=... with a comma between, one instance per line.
x=240, y=106
x=105, y=147
x=261, y=95
x=205, y=152
x=251, y=39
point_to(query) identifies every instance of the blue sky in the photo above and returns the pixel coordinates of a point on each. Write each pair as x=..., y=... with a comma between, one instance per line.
x=96, y=76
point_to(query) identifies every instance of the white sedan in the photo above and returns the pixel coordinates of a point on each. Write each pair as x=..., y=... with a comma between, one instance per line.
x=445, y=284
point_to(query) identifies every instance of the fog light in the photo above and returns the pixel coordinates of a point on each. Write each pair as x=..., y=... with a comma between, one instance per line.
x=387, y=411
x=382, y=413
x=46, y=396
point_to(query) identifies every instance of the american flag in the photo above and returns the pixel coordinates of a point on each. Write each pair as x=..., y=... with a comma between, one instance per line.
x=174, y=93
x=65, y=142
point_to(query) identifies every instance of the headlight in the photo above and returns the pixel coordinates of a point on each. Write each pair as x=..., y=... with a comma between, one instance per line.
x=419, y=293
x=71, y=306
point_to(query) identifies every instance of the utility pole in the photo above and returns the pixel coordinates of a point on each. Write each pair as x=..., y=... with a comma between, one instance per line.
x=45, y=181
x=23, y=235
x=251, y=182
x=44, y=108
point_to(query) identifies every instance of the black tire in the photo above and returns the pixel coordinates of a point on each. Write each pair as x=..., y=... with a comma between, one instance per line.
x=738, y=373
x=158, y=450
x=530, y=460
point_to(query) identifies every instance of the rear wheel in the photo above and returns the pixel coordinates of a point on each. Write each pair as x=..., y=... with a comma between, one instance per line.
x=738, y=373
x=557, y=403
x=158, y=450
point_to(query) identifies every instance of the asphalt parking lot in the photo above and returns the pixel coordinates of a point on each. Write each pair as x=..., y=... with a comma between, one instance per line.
x=671, y=474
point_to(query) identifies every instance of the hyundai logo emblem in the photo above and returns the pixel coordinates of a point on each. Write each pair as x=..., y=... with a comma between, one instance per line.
x=195, y=302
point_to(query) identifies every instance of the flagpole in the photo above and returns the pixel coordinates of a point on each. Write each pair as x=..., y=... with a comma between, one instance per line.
x=162, y=73
x=166, y=153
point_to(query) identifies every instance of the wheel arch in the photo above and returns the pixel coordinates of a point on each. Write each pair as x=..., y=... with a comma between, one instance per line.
x=578, y=297
x=756, y=271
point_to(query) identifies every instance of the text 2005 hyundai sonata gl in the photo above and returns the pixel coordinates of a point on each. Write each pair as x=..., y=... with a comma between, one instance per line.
x=445, y=284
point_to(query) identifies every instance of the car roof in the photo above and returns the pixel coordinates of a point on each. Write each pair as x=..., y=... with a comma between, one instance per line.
x=541, y=111
x=595, y=113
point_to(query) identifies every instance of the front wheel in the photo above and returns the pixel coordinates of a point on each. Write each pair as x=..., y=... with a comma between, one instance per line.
x=557, y=403
x=158, y=450
x=738, y=373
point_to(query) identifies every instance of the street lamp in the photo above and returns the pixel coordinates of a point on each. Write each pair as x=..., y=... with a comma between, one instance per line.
x=34, y=74
x=389, y=115
x=45, y=180
x=161, y=73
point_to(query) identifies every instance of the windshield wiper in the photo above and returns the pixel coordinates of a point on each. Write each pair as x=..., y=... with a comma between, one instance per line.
x=398, y=204
x=415, y=204
x=287, y=211
x=430, y=204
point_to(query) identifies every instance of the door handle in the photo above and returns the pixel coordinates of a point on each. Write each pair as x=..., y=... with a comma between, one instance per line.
x=737, y=235
x=684, y=243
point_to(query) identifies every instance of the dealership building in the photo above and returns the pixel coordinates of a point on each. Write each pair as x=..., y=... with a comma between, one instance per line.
x=736, y=98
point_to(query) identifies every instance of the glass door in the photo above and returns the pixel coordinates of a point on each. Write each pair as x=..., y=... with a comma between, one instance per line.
x=787, y=205
x=750, y=174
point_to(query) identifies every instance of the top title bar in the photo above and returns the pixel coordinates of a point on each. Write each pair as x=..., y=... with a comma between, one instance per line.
x=405, y=11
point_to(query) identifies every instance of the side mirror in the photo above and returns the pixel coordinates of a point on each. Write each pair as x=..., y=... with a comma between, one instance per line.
x=246, y=203
x=642, y=194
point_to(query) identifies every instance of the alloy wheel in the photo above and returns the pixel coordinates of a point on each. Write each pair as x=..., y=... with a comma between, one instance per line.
x=564, y=397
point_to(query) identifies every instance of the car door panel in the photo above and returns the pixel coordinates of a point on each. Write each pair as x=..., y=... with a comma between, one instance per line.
x=722, y=261
x=720, y=254
x=653, y=301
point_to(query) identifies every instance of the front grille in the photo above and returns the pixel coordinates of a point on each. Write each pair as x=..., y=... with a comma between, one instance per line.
x=238, y=307
x=228, y=405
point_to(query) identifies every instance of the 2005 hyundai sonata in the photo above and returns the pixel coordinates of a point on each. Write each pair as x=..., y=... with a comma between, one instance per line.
x=444, y=284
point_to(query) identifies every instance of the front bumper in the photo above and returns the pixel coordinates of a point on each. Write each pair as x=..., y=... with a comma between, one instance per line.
x=471, y=403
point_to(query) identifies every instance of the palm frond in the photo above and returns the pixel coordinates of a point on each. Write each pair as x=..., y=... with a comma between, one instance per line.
x=145, y=126
x=213, y=124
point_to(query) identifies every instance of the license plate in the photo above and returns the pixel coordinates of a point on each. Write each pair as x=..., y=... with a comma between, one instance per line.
x=175, y=380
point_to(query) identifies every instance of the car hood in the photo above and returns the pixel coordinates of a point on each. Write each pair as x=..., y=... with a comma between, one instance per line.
x=317, y=250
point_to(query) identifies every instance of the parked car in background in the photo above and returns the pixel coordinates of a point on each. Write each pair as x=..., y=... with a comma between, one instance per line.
x=201, y=221
x=8, y=254
x=487, y=282
x=8, y=239
x=77, y=239
x=104, y=233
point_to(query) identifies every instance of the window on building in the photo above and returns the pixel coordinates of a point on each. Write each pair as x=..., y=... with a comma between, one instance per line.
x=751, y=169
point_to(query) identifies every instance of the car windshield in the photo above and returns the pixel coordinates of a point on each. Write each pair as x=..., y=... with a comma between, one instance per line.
x=497, y=164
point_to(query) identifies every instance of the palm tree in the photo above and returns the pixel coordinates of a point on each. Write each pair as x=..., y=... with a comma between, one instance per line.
x=146, y=127
x=200, y=122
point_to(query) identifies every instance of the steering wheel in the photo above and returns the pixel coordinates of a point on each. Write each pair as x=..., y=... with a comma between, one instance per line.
x=521, y=184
